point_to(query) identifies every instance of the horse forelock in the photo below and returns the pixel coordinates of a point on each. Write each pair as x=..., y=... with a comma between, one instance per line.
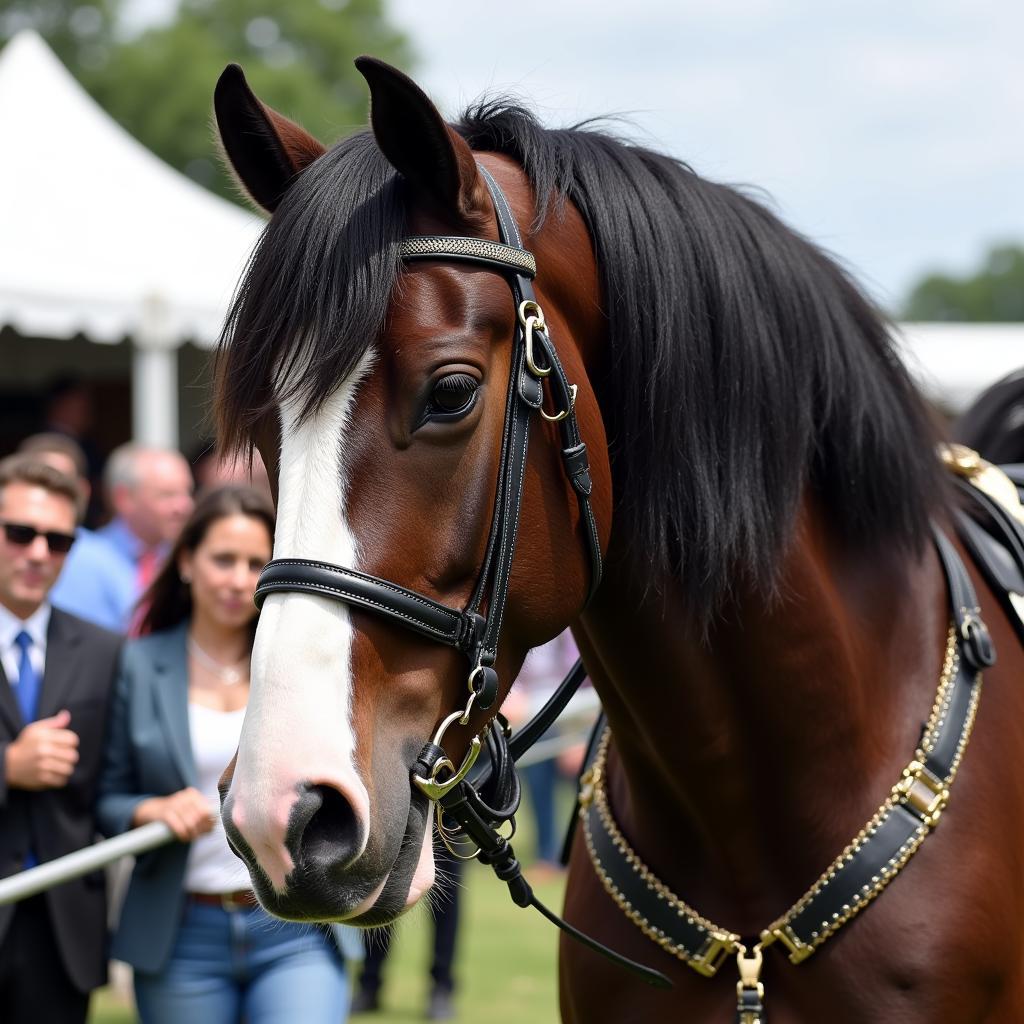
x=315, y=293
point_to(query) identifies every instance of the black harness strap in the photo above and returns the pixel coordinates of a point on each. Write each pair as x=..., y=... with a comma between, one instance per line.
x=917, y=800
x=994, y=535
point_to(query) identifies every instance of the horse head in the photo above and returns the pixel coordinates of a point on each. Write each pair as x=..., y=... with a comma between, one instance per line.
x=377, y=392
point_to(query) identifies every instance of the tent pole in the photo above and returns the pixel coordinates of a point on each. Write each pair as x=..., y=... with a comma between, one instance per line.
x=155, y=379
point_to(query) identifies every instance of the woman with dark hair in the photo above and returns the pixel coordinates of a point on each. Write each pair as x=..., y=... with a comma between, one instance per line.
x=201, y=947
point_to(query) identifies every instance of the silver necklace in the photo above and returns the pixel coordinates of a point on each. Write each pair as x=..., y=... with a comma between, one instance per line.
x=229, y=675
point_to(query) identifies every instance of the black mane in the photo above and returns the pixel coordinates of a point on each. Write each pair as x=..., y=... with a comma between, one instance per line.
x=745, y=364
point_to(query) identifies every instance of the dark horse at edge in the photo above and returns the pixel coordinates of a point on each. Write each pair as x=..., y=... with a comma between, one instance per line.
x=772, y=622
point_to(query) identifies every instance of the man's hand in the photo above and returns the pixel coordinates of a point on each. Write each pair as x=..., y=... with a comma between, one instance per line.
x=187, y=812
x=44, y=755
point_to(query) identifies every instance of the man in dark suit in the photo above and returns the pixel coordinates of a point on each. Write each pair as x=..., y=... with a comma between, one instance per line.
x=56, y=675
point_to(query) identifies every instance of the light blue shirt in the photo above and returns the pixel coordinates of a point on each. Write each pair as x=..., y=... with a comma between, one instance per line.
x=99, y=581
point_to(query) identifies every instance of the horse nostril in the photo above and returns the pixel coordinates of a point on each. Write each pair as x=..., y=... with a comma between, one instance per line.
x=324, y=828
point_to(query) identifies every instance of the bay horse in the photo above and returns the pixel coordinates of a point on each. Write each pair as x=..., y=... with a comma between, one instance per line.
x=772, y=620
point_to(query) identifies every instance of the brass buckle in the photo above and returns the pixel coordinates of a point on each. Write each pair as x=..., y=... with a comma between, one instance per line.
x=963, y=461
x=921, y=791
x=797, y=949
x=750, y=969
x=558, y=417
x=589, y=782
x=712, y=954
x=990, y=479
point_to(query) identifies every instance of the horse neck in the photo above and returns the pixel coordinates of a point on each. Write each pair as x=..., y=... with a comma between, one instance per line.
x=766, y=745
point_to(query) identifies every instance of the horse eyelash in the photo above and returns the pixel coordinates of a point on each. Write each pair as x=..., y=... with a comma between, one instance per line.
x=449, y=382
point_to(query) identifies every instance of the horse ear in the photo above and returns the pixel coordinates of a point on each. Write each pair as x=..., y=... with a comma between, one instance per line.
x=266, y=150
x=414, y=137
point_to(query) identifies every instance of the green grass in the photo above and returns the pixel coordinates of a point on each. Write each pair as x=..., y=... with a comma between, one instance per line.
x=505, y=964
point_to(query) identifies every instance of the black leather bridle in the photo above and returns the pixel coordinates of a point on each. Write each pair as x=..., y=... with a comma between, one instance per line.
x=481, y=802
x=473, y=630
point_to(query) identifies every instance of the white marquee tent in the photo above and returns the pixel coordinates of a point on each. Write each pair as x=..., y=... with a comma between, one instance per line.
x=98, y=237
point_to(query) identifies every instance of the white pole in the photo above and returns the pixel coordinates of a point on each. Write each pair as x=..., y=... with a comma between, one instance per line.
x=81, y=862
x=155, y=379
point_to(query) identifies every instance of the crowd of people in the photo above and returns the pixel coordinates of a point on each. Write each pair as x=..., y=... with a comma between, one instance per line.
x=124, y=677
x=125, y=659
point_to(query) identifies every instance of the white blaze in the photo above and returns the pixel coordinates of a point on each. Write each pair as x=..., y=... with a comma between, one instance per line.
x=298, y=724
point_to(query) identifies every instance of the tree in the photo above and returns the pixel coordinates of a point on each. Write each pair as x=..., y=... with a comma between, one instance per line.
x=159, y=84
x=81, y=34
x=994, y=293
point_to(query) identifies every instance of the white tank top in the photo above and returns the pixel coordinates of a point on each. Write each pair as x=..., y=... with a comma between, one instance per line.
x=211, y=866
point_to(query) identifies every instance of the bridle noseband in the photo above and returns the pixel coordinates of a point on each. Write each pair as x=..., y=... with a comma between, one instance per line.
x=472, y=630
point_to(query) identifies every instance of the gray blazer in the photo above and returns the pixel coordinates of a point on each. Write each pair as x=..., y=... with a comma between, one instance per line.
x=149, y=753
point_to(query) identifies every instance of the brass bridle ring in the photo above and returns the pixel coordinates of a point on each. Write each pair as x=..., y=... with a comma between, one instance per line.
x=531, y=316
x=434, y=787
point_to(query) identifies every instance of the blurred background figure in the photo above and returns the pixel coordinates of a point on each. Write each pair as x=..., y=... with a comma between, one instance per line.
x=444, y=910
x=66, y=456
x=149, y=491
x=545, y=667
x=69, y=410
x=994, y=424
x=201, y=947
x=56, y=675
x=210, y=469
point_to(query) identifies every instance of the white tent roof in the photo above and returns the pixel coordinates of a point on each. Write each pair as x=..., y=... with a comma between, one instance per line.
x=953, y=363
x=97, y=235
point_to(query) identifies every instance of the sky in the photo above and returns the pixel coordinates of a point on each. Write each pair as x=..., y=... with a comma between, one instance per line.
x=891, y=134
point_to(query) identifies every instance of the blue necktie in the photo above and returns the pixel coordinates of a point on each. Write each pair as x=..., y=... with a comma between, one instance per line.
x=28, y=680
x=28, y=699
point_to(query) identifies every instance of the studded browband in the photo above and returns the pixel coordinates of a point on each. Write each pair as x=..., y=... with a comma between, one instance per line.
x=859, y=874
x=470, y=250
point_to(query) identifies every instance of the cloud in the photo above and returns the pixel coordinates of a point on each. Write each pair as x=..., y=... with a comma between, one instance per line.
x=891, y=132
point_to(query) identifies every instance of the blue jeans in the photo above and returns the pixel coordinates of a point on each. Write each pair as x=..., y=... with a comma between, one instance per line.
x=244, y=965
x=542, y=781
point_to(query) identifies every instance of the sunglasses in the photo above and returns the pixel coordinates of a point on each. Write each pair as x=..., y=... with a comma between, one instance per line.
x=23, y=535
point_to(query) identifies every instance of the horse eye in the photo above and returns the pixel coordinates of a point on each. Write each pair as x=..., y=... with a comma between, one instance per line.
x=453, y=395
